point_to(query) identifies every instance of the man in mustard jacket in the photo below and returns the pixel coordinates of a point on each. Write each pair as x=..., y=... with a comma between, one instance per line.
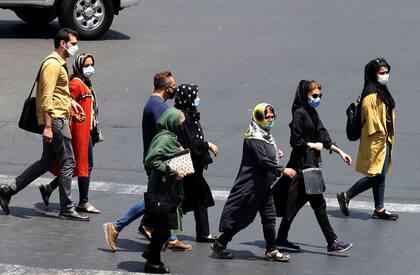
x=376, y=139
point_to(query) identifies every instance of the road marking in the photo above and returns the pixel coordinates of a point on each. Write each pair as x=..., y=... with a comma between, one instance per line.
x=23, y=270
x=132, y=189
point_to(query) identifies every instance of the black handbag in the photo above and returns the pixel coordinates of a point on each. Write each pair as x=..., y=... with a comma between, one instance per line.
x=96, y=134
x=313, y=180
x=161, y=210
x=28, y=120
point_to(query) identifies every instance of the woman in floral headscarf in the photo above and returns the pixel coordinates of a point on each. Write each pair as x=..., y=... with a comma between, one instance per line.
x=251, y=192
x=197, y=194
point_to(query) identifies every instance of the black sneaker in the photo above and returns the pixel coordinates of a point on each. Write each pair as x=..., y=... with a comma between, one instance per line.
x=156, y=269
x=384, y=215
x=343, y=203
x=221, y=251
x=5, y=196
x=286, y=245
x=338, y=247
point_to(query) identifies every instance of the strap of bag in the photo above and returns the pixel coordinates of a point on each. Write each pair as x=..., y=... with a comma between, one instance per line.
x=39, y=71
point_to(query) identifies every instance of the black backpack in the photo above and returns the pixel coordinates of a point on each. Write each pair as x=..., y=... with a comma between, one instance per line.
x=354, y=120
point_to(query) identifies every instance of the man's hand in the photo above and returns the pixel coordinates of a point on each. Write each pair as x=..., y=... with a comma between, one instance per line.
x=289, y=172
x=280, y=153
x=213, y=148
x=80, y=117
x=47, y=135
x=77, y=108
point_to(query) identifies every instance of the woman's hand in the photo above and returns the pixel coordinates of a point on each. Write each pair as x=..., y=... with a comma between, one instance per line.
x=345, y=157
x=180, y=175
x=315, y=146
x=280, y=154
x=80, y=117
x=289, y=172
x=213, y=148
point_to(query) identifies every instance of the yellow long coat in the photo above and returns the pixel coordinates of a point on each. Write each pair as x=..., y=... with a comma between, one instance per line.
x=372, y=147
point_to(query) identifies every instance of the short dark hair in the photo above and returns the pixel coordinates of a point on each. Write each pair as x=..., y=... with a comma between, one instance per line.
x=64, y=34
x=161, y=79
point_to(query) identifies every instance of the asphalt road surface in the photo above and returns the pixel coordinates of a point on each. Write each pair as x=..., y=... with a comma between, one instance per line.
x=240, y=53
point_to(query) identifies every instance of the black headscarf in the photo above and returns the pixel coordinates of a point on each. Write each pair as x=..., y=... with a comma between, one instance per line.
x=301, y=100
x=301, y=96
x=184, y=97
x=371, y=84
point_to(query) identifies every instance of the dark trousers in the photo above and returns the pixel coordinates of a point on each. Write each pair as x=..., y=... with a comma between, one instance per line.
x=377, y=183
x=268, y=221
x=60, y=149
x=159, y=238
x=201, y=220
x=319, y=207
x=83, y=182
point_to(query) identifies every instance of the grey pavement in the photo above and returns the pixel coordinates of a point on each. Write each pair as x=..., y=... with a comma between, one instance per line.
x=33, y=236
x=240, y=53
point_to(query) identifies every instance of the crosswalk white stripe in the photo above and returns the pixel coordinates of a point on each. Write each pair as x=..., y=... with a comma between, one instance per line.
x=132, y=189
x=24, y=270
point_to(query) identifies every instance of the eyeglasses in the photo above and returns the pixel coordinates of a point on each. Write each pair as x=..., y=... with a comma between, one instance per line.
x=384, y=73
x=315, y=96
x=270, y=117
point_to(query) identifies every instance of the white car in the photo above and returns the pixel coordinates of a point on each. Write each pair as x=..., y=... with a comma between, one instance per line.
x=90, y=18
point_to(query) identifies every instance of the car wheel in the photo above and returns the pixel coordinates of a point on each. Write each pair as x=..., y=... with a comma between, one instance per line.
x=90, y=18
x=36, y=15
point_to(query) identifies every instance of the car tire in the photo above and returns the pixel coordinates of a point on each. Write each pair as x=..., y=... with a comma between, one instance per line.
x=38, y=16
x=90, y=18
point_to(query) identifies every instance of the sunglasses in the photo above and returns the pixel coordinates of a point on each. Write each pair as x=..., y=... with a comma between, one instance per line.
x=383, y=73
x=270, y=117
x=315, y=96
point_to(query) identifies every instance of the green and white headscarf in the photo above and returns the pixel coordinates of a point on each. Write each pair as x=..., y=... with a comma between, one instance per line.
x=258, y=127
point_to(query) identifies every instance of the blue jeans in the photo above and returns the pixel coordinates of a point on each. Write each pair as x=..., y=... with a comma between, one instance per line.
x=377, y=183
x=135, y=212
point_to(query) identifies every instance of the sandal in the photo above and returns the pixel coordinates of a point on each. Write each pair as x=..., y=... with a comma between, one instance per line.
x=277, y=256
x=88, y=208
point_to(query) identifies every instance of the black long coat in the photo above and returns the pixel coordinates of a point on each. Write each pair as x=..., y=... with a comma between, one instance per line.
x=305, y=127
x=196, y=188
x=252, y=186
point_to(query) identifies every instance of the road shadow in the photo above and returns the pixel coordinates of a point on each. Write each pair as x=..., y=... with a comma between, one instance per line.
x=131, y=266
x=354, y=214
x=16, y=29
x=126, y=245
x=27, y=213
x=240, y=255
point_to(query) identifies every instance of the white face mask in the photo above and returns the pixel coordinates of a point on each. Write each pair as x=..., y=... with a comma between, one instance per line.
x=383, y=79
x=88, y=71
x=72, y=50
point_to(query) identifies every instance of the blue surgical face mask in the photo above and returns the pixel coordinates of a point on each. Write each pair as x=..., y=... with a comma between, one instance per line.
x=88, y=71
x=196, y=102
x=314, y=102
x=270, y=124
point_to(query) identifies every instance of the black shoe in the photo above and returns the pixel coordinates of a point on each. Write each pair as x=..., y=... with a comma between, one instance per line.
x=384, y=215
x=343, y=203
x=5, y=195
x=157, y=269
x=221, y=251
x=146, y=234
x=45, y=195
x=73, y=215
x=203, y=239
x=288, y=246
